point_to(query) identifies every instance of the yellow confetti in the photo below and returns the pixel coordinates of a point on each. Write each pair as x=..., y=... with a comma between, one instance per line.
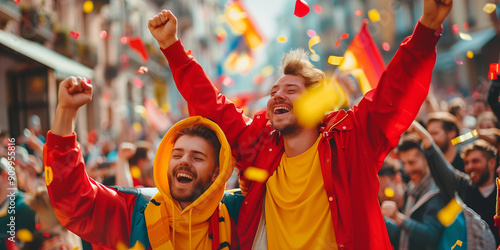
x=470, y=54
x=373, y=15
x=489, y=8
x=256, y=174
x=449, y=213
x=313, y=41
x=137, y=127
x=282, y=39
x=335, y=60
x=49, y=176
x=88, y=6
x=459, y=243
x=315, y=57
x=75, y=248
x=135, y=172
x=267, y=71
x=465, y=36
x=312, y=105
x=138, y=246
x=464, y=137
x=24, y=235
x=165, y=107
x=389, y=192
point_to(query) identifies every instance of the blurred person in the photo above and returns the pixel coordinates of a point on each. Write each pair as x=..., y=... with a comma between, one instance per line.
x=417, y=227
x=340, y=157
x=27, y=168
x=47, y=240
x=458, y=108
x=12, y=204
x=487, y=119
x=479, y=106
x=190, y=170
x=391, y=183
x=443, y=127
x=142, y=159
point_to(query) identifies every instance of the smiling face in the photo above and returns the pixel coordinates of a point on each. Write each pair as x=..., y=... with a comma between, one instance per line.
x=191, y=169
x=479, y=167
x=415, y=164
x=280, y=106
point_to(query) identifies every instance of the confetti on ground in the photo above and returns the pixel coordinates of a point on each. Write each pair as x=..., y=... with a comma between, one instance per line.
x=137, y=128
x=318, y=9
x=457, y=61
x=470, y=54
x=386, y=46
x=88, y=6
x=74, y=34
x=24, y=235
x=138, y=82
x=389, y=192
x=315, y=57
x=142, y=70
x=311, y=33
x=489, y=8
x=335, y=60
x=373, y=15
x=358, y=13
x=464, y=137
x=301, y=8
x=449, y=213
x=313, y=41
x=267, y=71
x=456, y=28
x=459, y=243
x=465, y=36
x=310, y=107
x=282, y=39
x=256, y=174
x=135, y=172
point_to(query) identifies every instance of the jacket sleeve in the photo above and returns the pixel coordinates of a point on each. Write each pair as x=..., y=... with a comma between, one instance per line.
x=388, y=110
x=98, y=214
x=493, y=95
x=202, y=96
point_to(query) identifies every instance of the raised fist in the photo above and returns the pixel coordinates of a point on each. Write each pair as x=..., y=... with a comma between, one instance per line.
x=434, y=13
x=74, y=92
x=163, y=27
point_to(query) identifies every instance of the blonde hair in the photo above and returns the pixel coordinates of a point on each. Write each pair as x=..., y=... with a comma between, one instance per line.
x=296, y=62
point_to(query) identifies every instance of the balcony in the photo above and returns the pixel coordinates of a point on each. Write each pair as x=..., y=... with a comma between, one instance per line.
x=35, y=26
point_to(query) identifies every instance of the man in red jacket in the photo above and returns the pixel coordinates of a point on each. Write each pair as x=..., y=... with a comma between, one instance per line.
x=322, y=186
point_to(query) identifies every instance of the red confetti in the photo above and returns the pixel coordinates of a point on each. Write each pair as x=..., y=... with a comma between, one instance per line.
x=16, y=1
x=226, y=80
x=142, y=70
x=89, y=81
x=189, y=52
x=466, y=25
x=137, y=45
x=311, y=33
x=37, y=226
x=494, y=67
x=138, y=82
x=386, y=46
x=74, y=34
x=358, y=13
x=301, y=8
x=343, y=36
x=456, y=28
x=318, y=9
x=46, y=234
x=337, y=43
x=103, y=34
x=458, y=62
x=492, y=75
x=124, y=40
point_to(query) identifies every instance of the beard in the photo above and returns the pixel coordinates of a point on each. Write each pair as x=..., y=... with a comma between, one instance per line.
x=291, y=128
x=485, y=176
x=190, y=193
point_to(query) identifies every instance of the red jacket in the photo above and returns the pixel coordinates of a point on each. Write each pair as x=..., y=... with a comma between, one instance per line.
x=352, y=149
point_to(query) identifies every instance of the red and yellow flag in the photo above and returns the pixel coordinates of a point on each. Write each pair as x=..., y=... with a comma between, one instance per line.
x=363, y=59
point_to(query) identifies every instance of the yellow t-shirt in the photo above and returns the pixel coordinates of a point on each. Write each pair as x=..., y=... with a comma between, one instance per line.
x=296, y=205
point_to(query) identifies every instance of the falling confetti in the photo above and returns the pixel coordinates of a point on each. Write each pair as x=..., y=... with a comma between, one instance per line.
x=24, y=235
x=373, y=15
x=315, y=57
x=46, y=234
x=16, y=1
x=492, y=75
x=282, y=39
x=49, y=175
x=489, y=8
x=386, y=46
x=75, y=248
x=457, y=61
x=464, y=137
x=358, y=13
x=335, y=60
x=89, y=81
x=456, y=28
x=466, y=26
x=470, y=54
x=226, y=80
x=256, y=174
x=135, y=171
x=142, y=70
x=258, y=79
x=320, y=98
x=449, y=213
x=318, y=9
x=494, y=67
x=138, y=246
x=221, y=34
x=267, y=71
x=74, y=34
x=389, y=192
x=124, y=40
x=459, y=243
x=189, y=52
x=88, y=6
x=313, y=41
x=465, y=36
x=343, y=36
x=138, y=82
x=311, y=33
x=137, y=128
x=301, y=8
x=137, y=45
x=37, y=226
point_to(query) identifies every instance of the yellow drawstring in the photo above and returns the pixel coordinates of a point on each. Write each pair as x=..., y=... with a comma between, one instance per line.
x=190, y=210
x=173, y=215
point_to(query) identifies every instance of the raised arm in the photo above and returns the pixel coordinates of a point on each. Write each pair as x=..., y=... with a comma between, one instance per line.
x=195, y=86
x=98, y=214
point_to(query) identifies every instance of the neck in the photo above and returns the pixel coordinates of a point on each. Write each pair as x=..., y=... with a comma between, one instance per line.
x=490, y=181
x=451, y=153
x=184, y=204
x=301, y=142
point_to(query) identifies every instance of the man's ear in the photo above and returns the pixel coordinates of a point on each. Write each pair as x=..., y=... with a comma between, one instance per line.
x=215, y=174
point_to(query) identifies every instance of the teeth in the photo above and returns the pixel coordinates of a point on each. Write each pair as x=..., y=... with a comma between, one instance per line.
x=179, y=175
x=285, y=108
x=472, y=174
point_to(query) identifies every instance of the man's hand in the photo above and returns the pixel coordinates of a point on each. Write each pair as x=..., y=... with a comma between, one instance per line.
x=434, y=13
x=126, y=150
x=163, y=27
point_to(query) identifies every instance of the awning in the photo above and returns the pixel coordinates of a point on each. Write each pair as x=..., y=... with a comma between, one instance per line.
x=62, y=66
x=446, y=60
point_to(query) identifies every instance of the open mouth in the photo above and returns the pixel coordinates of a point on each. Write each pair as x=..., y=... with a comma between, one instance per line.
x=281, y=110
x=472, y=174
x=184, y=177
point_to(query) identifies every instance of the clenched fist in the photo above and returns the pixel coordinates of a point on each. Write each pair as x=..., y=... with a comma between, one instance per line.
x=163, y=27
x=74, y=92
